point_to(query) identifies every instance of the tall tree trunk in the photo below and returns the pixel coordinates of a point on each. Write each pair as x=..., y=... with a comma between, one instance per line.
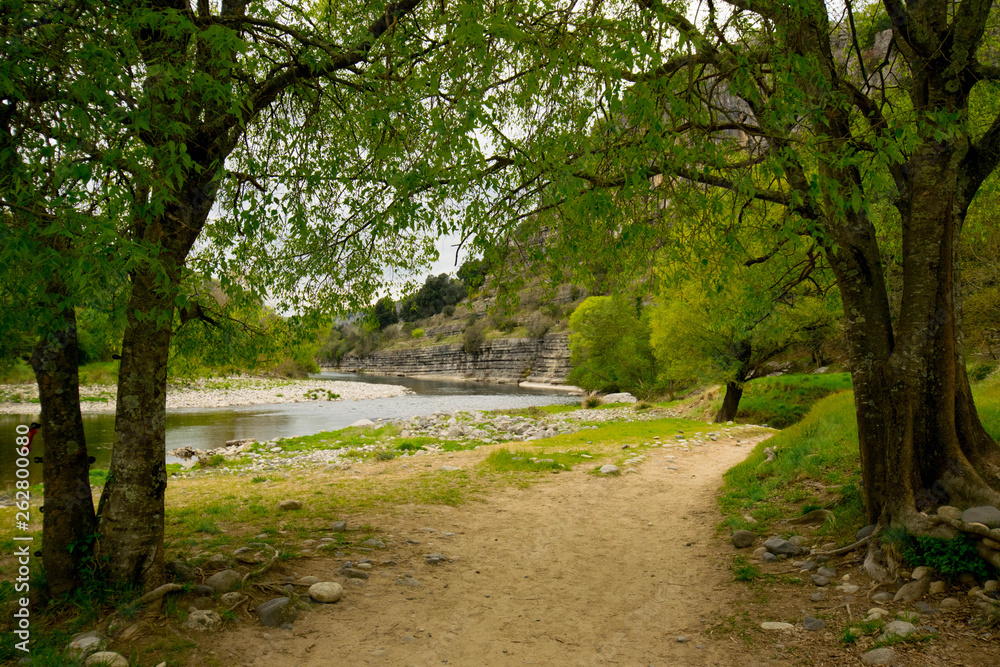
x=131, y=521
x=132, y=504
x=68, y=520
x=921, y=440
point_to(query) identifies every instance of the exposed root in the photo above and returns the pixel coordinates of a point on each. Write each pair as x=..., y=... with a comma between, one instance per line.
x=158, y=593
x=877, y=567
x=264, y=568
x=844, y=550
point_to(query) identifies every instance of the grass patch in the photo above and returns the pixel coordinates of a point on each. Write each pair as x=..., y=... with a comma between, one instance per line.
x=536, y=411
x=782, y=401
x=523, y=460
x=816, y=466
x=744, y=570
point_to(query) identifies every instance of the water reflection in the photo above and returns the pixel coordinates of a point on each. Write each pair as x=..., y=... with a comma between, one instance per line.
x=206, y=428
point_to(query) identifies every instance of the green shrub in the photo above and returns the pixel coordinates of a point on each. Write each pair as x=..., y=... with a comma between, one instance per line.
x=592, y=401
x=949, y=558
x=418, y=333
x=473, y=338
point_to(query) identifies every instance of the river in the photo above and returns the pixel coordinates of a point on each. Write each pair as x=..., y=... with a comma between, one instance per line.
x=205, y=428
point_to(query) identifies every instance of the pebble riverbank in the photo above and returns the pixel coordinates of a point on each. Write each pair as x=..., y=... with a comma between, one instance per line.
x=211, y=393
x=470, y=427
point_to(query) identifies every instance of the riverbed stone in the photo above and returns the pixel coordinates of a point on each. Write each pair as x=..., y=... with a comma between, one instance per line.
x=879, y=656
x=743, y=538
x=781, y=547
x=813, y=624
x=820, y=580
x=326, y=591
x=224, y=581
x=883, y=596
x=287, y=505
x=609, y=469
x=203, y=620
x=105, y=659
x=83, y=644
x=776, y=625
x=180, y=570
x=912, y=591
x=229, y=599
x=275, y=613
x=374, y=543
x=339, y=527
x=897, y=629
x=307, y=580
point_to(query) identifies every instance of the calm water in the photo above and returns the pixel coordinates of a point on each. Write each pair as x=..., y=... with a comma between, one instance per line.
x=206, y=428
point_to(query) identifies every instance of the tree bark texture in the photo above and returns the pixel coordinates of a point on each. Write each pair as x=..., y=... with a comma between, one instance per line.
x=68, y=523
x=730, y=403
x=131, y=522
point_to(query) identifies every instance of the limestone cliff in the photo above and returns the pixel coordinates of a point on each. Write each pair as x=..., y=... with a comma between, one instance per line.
x=500, y=361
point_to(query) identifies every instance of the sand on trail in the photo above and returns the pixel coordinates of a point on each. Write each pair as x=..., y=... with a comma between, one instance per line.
x=575, y=570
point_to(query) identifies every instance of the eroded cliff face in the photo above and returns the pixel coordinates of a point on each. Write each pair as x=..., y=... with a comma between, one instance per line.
x=500, y=361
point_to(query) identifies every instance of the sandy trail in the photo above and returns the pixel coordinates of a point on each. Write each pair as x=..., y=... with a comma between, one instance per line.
x=577, y=570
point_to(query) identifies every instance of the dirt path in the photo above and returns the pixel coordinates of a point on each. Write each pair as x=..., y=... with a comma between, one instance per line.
x=577, y=570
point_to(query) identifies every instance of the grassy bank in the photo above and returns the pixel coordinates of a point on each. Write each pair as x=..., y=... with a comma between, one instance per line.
x=817, y=464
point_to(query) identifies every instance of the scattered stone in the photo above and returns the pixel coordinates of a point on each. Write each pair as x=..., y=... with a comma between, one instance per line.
x=759, y=552
x=817, y=596
x=84, y=644
x=203, y=620
x=434, y=559
x=879, y=656
x=286, y=505
x=326, y=591
x=897, y=629
x=827, y=572
x=308, y=580
x=950, y=603
x=274, y=613
x=407, y=580
x=621, y=397
x=106, y=659
x=820, y=580
x=991, y=586
x=776, y=625
x=682, y=639
x=985, y=514
x=937, y=587
x=798, y=540
x=362, y=423
x=356, y=582
x=921, y=572
x=374, y=543
x=781, y=547
x=339, y=527
x=912, y=591
x=181, y=570
x=609, y=470
x=883, y=596
x=351, y=573
x=224, y=581
x=743, y=538
x=876, y=614
x=769, y=557
x=448, y=468
x=813, y=624
x=925, y=608
x=865, y=532
x=848, y=589
x=808, y=566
